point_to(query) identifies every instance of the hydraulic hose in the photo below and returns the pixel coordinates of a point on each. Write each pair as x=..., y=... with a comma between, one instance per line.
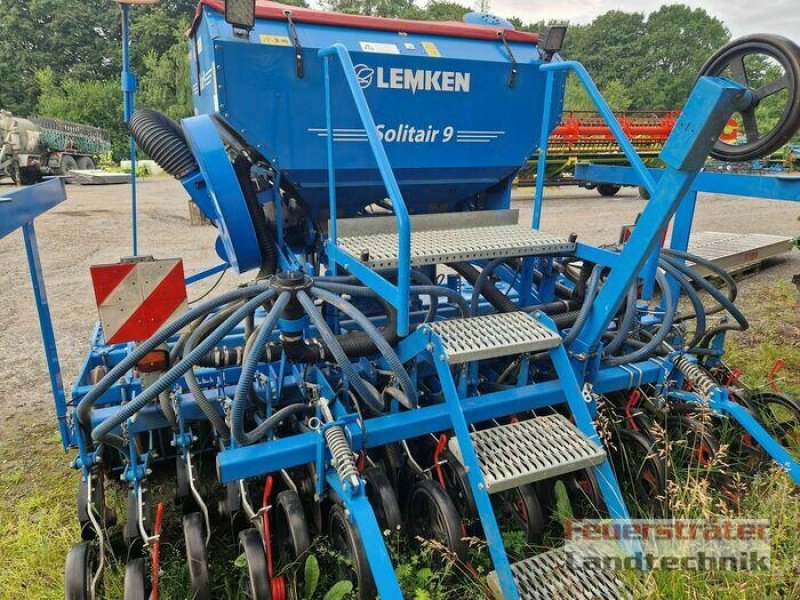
x=594, y=283
x=126, y=411
x=626, y=324
x=244, y=386
x=663, y=331
x=264, y=235
x=162, y=139
x=697, y=303
x=725, y=301
x=495, y=297
x=484, y=283
x=162, y=335
x=369, y=329
x=372, y=401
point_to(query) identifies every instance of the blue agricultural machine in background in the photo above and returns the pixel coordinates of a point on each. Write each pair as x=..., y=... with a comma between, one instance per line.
x=408, y=356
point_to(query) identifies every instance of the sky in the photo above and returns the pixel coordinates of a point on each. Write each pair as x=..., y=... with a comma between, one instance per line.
x=741, y=16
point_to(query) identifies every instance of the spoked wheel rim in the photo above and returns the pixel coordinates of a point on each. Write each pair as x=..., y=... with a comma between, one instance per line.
x=780, y=415
x=258, y=585
x=643, y=470
x=196, y=556
x=768, y=65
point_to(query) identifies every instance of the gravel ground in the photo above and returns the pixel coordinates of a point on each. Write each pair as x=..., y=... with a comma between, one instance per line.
x=93, y=227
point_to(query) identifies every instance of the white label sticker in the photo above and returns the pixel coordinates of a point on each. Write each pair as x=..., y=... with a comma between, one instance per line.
x=380, y=48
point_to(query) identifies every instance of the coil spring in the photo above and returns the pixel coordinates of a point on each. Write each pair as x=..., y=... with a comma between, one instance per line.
x=341, y=455
x=699, y=378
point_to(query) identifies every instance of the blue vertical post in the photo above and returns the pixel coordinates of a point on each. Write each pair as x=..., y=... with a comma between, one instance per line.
x=46, y=325
x=128, y=106
x=542, y=157
x=681, y=231
x=332, y=232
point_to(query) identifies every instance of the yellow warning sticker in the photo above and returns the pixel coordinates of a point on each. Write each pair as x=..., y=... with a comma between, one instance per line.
x=275, y=40
x=430, y=49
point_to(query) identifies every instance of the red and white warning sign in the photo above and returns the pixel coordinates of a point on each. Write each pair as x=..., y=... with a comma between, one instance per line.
x=136, y=298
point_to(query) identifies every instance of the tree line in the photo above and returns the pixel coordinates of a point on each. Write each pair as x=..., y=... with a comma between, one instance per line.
x=62, y=58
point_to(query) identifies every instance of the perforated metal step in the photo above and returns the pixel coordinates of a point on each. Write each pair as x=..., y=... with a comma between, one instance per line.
x=490, y=336
x=552, y=576
x=539, y=448
x=441, y=238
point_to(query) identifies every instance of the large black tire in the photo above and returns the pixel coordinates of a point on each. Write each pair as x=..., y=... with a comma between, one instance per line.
x=86, y=163
x=78, y=572
x=196, y=556
x=135, y=580
x=383, y=500
x=291, y=527
x=345, y=538
x=731, y=59
x=28, y=176
x=607, y=190
x=258, y=587
x=68, y=163
x=432, y=515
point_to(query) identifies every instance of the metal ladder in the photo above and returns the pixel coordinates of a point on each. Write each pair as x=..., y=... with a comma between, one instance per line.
x=512, y=455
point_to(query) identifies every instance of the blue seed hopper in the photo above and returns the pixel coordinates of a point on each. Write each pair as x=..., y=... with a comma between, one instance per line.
x=455, y=105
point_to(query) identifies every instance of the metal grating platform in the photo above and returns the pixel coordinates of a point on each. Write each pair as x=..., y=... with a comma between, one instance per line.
x=539, y=448
x=736, y=251
x=441, y=238
x=490, y=336
x=550, y=576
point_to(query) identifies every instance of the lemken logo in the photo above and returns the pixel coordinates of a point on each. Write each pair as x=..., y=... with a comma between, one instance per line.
x=413, y=79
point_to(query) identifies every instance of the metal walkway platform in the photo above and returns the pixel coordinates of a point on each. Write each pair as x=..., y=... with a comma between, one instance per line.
x=736, y=251
x=442, y=238
x=551, y=576
x=527, y=451
x=490, y=336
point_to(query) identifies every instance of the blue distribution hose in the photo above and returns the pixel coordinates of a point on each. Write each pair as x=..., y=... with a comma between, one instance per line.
x=371, y=399
x=162, y=335
x=248, y=372
x=383, y=346
x=126, y=411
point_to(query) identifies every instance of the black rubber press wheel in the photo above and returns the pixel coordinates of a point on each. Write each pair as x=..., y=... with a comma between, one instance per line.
x=258, y=585
x=433, y=516
x=383, y=500
x=291, y=526
x=769, y=65
x=345, y=538
x=78, y=572
x=196, y=556
x=135, y=580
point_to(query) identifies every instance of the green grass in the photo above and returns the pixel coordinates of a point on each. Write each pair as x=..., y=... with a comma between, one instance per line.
x=38, y=524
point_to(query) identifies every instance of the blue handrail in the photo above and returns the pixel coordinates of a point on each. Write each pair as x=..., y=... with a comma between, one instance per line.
x=399, y=294
x=641, y=170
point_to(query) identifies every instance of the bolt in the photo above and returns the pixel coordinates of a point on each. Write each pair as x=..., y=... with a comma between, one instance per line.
x=480, y=486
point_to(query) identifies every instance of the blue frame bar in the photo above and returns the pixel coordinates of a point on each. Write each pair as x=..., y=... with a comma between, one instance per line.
x=397, y=295
x=638, y=166
x=18, y=209
x=768, y=187
x=710, y=105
